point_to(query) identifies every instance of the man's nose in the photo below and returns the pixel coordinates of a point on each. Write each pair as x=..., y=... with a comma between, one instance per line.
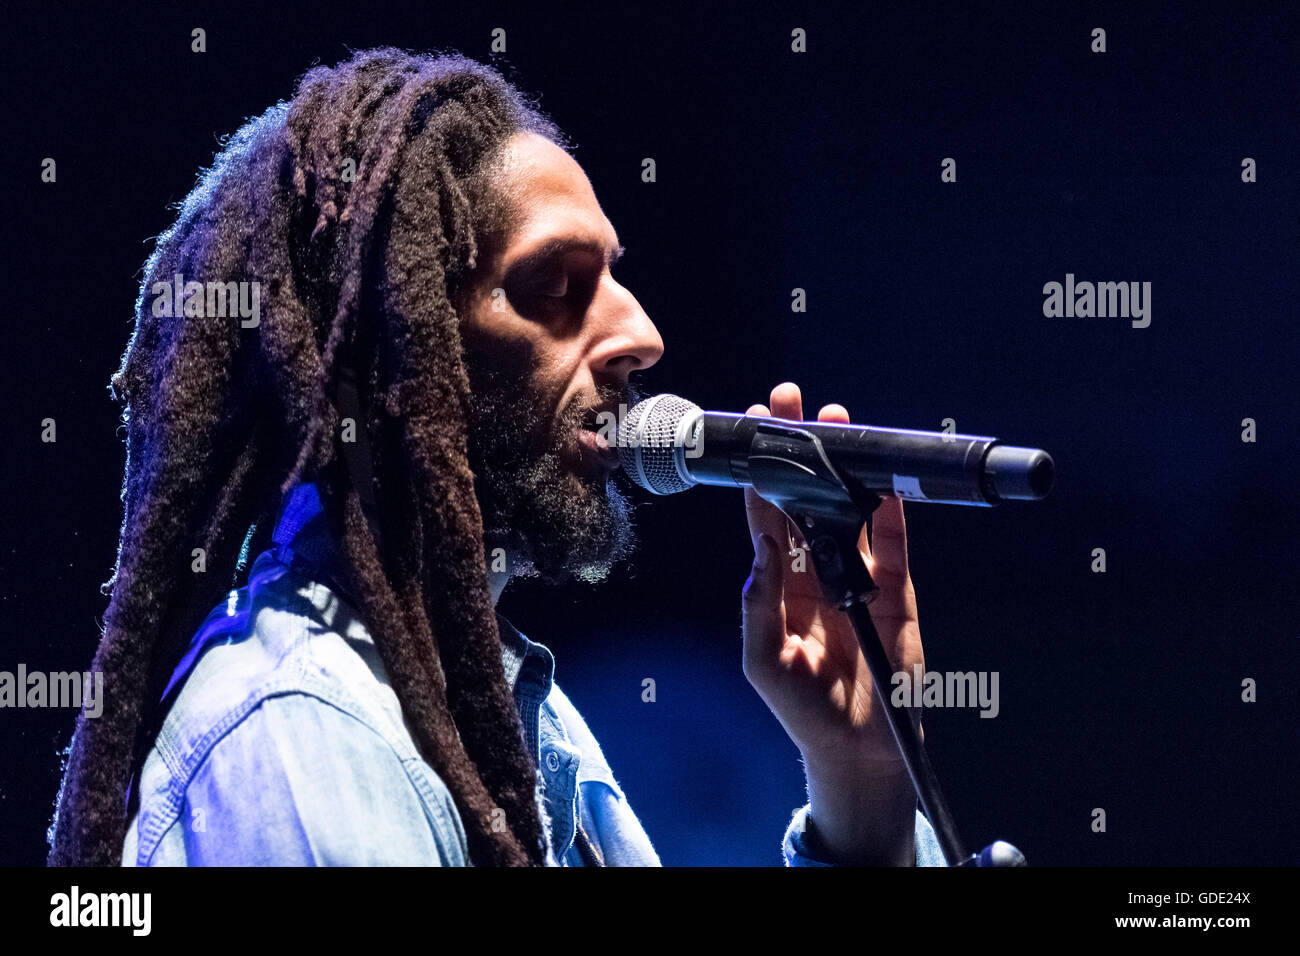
x=625, y=339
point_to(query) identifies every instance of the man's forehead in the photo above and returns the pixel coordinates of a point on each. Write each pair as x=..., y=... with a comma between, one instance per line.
x=552, y=195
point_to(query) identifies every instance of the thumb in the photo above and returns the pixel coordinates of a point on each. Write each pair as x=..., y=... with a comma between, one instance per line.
x=763, y=610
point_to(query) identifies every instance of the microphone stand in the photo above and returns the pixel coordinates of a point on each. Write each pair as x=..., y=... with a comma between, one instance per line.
x=790, y=467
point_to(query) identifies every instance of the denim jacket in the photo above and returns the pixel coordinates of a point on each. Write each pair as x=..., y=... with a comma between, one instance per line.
x=283, y=743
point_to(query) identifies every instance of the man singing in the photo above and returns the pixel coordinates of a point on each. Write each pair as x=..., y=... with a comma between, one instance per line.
x=409, y=417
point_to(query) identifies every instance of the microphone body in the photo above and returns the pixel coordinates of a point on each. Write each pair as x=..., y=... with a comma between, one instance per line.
x=667, y=444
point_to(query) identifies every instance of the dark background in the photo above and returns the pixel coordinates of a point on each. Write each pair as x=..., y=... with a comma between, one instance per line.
x=775, y=170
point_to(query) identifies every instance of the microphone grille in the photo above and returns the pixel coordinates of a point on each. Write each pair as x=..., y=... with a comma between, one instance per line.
x=651, y=441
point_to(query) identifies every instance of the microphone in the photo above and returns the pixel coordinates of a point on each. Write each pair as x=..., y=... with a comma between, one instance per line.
x=667, y=444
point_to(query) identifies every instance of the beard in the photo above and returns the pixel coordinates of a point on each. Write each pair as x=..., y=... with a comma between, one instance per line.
x=555, y=519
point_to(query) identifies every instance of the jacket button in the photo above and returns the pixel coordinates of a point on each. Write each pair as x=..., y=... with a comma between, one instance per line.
x=552, y=761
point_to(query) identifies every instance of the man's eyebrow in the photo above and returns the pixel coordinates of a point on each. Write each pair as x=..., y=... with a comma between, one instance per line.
x=553, y=248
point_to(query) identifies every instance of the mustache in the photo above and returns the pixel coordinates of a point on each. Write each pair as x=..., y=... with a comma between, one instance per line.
x=586, y=412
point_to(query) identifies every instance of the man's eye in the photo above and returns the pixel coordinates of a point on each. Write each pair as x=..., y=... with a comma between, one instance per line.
x=554, y=288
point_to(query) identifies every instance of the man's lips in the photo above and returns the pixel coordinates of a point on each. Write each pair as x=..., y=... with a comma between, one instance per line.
x=596, y=449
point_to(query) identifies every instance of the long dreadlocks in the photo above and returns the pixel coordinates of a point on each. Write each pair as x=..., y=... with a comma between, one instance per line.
x=361, y=208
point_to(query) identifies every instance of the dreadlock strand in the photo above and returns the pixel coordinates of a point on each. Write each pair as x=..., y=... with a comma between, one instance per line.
x=417, y=676
x=462, y=615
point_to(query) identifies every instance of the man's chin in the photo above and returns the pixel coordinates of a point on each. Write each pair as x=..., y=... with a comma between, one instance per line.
x=587, y=541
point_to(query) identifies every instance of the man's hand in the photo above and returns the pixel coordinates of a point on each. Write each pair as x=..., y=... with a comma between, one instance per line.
x=802, y=656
